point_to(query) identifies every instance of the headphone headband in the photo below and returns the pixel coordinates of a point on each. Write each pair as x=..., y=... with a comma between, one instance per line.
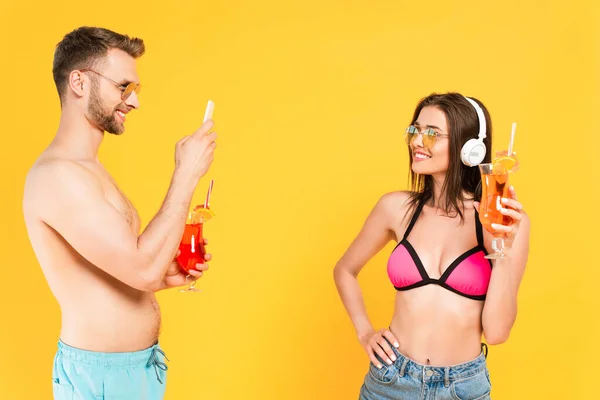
x=481, y=117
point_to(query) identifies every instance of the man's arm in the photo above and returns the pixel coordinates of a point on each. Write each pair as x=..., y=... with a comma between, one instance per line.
x=70, y=199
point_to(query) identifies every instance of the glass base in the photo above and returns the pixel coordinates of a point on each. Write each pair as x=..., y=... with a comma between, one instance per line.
x=495, y=256
x=191, y=288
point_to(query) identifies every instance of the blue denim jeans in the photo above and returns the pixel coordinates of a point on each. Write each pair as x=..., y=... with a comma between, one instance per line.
x=82, y=375
x=407, y=379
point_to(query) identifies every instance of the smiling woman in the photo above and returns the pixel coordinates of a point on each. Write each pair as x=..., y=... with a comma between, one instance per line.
x=443, y=281
x=450, y=116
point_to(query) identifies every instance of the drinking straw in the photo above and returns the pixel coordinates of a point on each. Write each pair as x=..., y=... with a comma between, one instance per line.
x=512, y=138
x=208, y=194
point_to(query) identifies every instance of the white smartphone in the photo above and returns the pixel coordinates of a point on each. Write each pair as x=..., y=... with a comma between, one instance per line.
x=210, y=107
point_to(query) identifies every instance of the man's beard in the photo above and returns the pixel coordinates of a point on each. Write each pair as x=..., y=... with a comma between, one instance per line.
x=104, y=119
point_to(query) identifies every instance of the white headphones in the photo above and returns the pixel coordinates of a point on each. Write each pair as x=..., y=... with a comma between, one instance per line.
x=473, y=151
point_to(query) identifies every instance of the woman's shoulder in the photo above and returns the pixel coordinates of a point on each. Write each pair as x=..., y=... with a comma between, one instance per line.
x=396, y=203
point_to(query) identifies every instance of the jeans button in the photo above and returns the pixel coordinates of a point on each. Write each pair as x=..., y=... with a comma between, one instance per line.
x=429, y=372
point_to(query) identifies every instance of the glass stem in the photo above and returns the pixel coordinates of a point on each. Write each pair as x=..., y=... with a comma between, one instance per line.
x=497, y=245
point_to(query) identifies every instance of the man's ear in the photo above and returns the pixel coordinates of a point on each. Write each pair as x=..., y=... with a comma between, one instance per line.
x=78, y=82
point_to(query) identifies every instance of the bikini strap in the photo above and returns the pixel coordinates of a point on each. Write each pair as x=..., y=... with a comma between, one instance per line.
x=413, y=220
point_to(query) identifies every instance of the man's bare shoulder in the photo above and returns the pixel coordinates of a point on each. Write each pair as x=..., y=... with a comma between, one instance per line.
x=50, y=175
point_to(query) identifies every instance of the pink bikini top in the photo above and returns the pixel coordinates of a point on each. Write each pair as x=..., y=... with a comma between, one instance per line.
x=469, y=275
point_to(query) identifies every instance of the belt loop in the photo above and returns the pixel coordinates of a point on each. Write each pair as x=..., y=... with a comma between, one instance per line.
x=484, y=349
x=403, y=367
x=447, y=376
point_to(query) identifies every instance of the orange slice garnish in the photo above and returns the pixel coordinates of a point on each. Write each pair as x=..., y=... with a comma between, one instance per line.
x=508, y=162
x=202, y=214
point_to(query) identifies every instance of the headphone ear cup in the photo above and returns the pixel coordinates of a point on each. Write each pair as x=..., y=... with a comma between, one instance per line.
x=472, y=152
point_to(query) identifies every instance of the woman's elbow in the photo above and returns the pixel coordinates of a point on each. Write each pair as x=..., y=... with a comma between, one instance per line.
x=337, y=272
x=496, y=336
x=341, y=271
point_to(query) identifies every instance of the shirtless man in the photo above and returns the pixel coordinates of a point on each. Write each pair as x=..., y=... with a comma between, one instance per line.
x=86, y=233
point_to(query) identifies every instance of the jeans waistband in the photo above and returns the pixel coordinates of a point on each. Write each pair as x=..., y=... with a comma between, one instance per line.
x=427, y=373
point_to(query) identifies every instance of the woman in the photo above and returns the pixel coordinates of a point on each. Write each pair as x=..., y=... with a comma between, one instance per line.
x=448, y=295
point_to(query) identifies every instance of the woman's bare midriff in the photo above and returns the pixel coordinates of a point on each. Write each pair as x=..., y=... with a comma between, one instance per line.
x=437, y=327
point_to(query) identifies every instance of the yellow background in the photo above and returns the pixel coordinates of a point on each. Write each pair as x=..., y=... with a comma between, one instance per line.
x=312, y=99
